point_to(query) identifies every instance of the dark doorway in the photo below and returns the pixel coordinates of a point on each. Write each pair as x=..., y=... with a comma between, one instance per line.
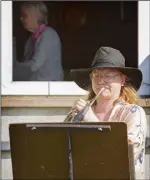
x=84, y=26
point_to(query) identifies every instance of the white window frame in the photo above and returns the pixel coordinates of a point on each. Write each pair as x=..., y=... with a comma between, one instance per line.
x=9, y=87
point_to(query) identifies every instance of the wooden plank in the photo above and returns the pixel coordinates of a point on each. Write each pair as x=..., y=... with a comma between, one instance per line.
x=49, y=101
x=145, y=102
x=39, y=101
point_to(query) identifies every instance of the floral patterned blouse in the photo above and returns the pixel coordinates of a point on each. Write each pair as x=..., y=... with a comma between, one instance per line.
x=135, y=118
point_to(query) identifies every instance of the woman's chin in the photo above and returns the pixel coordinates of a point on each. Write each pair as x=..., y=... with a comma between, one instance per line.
x=106, y=95
x=25, y=27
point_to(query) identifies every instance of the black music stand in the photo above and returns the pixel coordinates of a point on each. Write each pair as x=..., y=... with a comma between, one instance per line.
x=71, y=151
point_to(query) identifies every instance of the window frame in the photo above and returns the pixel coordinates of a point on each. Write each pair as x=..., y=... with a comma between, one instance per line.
x=9, y=87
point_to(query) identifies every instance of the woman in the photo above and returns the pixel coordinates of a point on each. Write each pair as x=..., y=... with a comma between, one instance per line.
x=42, y=55
x=118, y=101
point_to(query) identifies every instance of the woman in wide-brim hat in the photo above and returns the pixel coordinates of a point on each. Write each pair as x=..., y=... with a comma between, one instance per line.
x=118, y=100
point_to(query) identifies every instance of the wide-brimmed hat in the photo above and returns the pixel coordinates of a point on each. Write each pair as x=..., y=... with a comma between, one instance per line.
x=107, y=57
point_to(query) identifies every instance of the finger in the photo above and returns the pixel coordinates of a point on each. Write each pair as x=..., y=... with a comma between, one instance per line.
x=83, y=101
x=78, y=107
x=80, y=103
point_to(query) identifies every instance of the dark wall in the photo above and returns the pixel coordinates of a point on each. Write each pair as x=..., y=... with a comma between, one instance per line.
x=107, y=24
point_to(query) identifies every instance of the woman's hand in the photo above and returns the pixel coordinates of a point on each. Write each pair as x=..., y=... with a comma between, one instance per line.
x=89, y=116
x=79, y=105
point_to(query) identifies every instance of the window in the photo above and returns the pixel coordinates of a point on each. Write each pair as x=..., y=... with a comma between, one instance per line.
x=72, y=36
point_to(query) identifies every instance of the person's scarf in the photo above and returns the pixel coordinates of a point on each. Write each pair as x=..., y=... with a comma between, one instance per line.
x=36, y=35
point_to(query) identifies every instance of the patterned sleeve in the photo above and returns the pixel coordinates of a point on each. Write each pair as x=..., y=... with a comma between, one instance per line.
x=136, y=125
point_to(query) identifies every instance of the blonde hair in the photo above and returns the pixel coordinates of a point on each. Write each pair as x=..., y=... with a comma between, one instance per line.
x=128, y=94
x=40, y=7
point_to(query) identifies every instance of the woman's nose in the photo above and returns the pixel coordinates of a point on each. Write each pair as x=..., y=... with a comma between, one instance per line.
x=101, y=81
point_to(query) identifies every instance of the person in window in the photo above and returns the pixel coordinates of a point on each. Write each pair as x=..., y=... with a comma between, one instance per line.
x=118, y=101
x=42, y=54
x=144, y=90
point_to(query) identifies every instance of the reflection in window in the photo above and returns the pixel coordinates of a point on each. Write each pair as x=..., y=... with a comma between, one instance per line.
x=144, y=90
x=75, y=31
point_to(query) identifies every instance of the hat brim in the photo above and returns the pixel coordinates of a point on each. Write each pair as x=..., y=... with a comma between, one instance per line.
x=82, y=79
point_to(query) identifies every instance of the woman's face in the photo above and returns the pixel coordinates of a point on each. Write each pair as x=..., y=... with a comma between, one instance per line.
x=29, y=18
x=109, y=78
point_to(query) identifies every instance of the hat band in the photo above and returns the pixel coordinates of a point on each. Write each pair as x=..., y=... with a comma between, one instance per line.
x=104, y=64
